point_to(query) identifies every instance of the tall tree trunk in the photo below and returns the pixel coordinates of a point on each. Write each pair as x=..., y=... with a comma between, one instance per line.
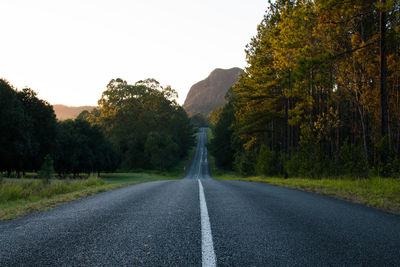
x=364, y=130
x=383, y=91
x=273, y=136
x=285, y=130
x=288, y=129
x=397, y=88
x=398, y=142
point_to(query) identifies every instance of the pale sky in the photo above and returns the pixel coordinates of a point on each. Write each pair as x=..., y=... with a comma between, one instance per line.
x=68, y=51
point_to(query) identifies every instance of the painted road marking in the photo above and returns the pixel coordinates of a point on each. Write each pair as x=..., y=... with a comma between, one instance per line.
x=207, y=246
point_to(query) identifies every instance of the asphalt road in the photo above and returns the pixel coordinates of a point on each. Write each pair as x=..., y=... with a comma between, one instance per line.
x=198, y=221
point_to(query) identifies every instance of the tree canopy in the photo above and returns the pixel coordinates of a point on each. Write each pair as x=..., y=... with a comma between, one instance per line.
x=27, y=129
x=311, y=97
x=145, y=123
x=135, y=126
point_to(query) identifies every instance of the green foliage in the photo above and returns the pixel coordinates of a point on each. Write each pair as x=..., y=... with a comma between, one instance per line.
x=47, y=169
x=161, y=150
x=387, y=161
x=14, y=125
x=244, y=162
x=140, y=126
x=311, y=84
x=353, y=160
x=199, y=120
x=42, y=128
x=34, y=190
x=27, y=129
x=293, y=166
x=220, y=146
x=136, y=118
x=266, y=162
x=84, y=115
x=308, y=160
x=82, y=148
x=214, y=116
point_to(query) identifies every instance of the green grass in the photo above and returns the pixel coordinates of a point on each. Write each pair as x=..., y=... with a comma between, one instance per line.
x=28, y=190
x=113, y=178
x=20, y=197
x=15, y=209
x=381, y=193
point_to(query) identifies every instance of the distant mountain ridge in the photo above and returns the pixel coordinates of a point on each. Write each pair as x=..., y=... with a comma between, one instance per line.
x=64, y=112
x=209, y=94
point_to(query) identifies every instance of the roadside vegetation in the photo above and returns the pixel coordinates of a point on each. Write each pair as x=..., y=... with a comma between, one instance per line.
x=318, y=104
x=377, y=192
x=19, y=197
x=313, y=101
x=138, y=133
x=135, y=126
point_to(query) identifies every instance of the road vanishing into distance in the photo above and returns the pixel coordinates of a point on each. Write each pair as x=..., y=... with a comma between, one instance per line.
x=200, y=221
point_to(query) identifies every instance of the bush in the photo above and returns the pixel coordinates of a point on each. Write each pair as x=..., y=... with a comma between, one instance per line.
x=47, y=169
x=293, y=165
x=266, y=163
x=353, y=160
x=92, y=181
x=244, y=162
x=387, y=162
x=308, y=161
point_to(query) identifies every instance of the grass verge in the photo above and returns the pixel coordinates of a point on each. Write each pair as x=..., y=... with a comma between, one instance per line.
x=381, y=193
x=20, y=197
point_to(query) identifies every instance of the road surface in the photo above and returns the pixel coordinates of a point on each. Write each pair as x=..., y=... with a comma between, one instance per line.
x=200, y=221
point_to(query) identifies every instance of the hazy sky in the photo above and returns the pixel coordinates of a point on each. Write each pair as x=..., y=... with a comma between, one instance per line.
x=68, y=51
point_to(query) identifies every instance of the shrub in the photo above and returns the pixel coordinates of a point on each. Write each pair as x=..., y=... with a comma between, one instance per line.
x=47, y=169
x=266, y=163
x=293, y=165
x=244, y=162
x=353, y=160
x=92, y=181
x=387, y=163
x=308, y=161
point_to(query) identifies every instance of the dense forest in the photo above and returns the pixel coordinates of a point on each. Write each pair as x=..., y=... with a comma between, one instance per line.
x=320, y=95
x=135, y=126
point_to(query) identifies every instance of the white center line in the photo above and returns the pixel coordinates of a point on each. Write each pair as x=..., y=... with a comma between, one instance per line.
x=207, y=246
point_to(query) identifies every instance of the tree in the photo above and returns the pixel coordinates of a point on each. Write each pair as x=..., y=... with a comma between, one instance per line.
x=82, y=148
x=47, y=169
x=129, y=113
x=220, y=146
x=42, y=128
x=14, y=138
x=382, y=84
x=199, y=120
x=312, y=83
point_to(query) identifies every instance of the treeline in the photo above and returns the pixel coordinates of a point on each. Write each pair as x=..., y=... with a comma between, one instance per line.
x=320, y=95
x=29, y=131
x=135, y=126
